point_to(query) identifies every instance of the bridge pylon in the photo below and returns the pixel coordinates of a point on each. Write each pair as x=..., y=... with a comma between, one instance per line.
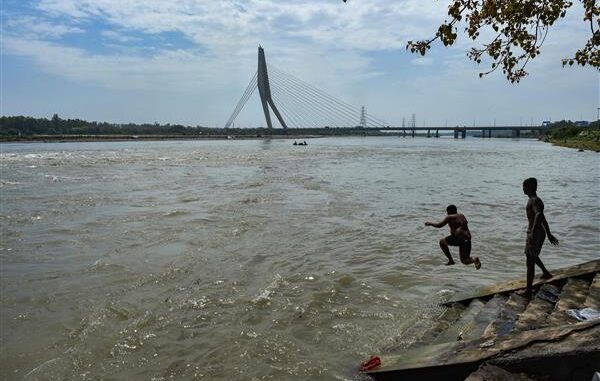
x=264, y=89
x=296, y=103
x=260, y=80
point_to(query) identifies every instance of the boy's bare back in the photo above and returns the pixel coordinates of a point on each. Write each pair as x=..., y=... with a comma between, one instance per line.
x=459, y=226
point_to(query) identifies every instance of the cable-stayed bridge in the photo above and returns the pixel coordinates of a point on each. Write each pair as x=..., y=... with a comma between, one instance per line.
x=296, y=103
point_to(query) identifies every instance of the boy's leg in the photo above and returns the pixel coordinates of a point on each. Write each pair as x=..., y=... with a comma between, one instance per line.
x=465, y=255
x=531, y=253
x=546, y=274
x=446, y=250
x=530, y=275
x=536, y=247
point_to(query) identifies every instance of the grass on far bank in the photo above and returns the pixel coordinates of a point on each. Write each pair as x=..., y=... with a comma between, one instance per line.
x=574, y=137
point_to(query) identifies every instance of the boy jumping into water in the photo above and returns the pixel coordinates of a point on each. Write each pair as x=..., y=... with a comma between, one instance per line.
x=459, y=236
x=536, y=234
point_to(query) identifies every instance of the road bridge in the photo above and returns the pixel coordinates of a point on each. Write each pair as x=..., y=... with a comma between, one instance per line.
x=486, y=131
x=298, y=104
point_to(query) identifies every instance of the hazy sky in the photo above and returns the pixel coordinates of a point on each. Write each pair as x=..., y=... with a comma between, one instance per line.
x=189, y=61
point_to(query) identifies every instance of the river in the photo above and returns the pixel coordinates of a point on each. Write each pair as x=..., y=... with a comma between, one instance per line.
x=256, y=259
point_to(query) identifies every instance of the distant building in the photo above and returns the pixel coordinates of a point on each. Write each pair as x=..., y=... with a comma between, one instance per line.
x=582, y=123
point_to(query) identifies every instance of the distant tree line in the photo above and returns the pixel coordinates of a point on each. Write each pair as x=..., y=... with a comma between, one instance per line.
x=567, y=128
x=23, y=125
x=14, y=126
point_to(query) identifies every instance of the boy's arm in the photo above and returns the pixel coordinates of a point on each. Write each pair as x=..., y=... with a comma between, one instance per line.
x=538, y=210
x=439, y=224
x=552, y=238
x=540, y=218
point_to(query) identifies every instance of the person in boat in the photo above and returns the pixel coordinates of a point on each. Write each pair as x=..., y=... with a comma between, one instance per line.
x=459, y=236
x=537, y=230
x=295, y=143
x=304, y=143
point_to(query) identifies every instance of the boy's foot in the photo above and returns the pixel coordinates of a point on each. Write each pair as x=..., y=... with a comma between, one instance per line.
x=524, y=293
x=546, y=276
x=477, y=263
x=450, y=263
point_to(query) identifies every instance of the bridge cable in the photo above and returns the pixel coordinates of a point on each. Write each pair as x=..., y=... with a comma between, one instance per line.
x=311, y=111
x=242, y=102
x=249, y=90
x=284, y=97
x=319, y=100
x=291, y=117
x=347, y=118
x=317, y=103
x=372, y=119
x=315, y=90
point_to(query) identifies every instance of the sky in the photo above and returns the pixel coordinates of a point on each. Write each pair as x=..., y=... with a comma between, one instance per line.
x=189, y=61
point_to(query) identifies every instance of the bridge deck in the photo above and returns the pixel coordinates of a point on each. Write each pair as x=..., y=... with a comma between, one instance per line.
x=498, y=128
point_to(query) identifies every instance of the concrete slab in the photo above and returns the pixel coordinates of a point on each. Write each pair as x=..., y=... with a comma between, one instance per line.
x=488, y=372
x=593, y=298
x=564, y=273
x=491, y=311
x=446, y=320
x=536, y=313
x=574, y=357
x=572, y=295
x=452, y=333
x=507, y=318
x=463, y=356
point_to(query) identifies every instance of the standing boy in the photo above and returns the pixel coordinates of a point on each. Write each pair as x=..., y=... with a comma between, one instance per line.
x=536, y=234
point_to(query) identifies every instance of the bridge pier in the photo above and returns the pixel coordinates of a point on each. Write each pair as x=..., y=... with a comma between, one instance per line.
x=483, y=133
x=403, y=133
x=437, y=133
x=428, y=133
x=455, y=134
x=413, y=133
x=516, y=133
x=464, y=134
x=489, y=133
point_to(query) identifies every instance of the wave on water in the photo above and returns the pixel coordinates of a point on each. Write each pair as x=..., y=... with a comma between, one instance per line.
x=256, y=184
x=7, y=182
x=445, y=294
x=34, y=156
x=265, y=295
x=189, y=199
x=102, y=265
x=47, y=370
x=587, y=227
x=176, y=213
x=490, y=205
x=57, y=179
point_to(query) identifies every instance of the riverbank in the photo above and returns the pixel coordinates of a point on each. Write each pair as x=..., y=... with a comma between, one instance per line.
x=118, y=138
x=573, y=137
x=577, y=143
x=277, y=134
x=496, y=326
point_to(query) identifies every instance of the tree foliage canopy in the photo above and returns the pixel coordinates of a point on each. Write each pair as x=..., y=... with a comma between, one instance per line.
x=520, y=28
x=23, y=126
